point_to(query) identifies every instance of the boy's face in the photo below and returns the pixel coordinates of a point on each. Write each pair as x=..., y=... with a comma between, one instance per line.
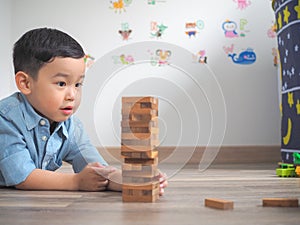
x=56, y=93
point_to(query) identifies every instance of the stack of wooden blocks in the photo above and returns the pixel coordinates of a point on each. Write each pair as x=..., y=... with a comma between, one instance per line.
x=139, y=149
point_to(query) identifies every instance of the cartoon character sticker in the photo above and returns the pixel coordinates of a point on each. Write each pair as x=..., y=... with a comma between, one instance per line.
x=125, y=34
x=119, y=5
x=242, y=4
x=157, y=30
x=275, y=56
x=200, y=57
x=192, y=28
x=125, y=31
x=160, y=57
x=244, y=58
x=272, y=31
x=230, y=28
x=89, y=60
x=123, y=59
x=153, y=2
x=228, y=49
x=243, y=23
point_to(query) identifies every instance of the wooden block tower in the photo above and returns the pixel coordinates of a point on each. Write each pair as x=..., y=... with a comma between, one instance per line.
x=138, y=149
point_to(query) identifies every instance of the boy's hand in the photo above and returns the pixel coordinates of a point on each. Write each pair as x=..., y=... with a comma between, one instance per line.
x=94, y=177
x=163, y=183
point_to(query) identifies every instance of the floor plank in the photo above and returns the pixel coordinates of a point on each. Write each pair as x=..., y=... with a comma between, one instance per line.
x=183, y=202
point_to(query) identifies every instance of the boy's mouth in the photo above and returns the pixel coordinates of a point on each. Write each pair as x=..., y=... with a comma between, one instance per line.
x=67, y=110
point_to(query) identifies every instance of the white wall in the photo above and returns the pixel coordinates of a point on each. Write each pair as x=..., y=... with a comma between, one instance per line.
x=193, y=109
x=5, y=46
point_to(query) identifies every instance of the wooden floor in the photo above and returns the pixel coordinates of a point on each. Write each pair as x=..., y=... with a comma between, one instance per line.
x=183, y=202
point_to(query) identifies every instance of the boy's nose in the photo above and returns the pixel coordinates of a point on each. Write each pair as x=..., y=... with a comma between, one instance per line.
x=71, y=94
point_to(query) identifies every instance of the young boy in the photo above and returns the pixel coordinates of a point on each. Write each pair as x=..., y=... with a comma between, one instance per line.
x=37, y=127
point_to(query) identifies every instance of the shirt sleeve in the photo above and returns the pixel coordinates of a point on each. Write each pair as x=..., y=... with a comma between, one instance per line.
x=82, y=151
x=15, y=161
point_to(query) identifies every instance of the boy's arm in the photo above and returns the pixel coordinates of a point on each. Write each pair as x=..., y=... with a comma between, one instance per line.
x=48, y=180
x=87, y=180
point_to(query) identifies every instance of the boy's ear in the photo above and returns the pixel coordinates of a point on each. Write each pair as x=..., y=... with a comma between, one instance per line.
x=23, y=80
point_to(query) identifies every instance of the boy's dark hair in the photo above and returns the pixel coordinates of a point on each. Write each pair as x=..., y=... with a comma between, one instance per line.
x=39, y=46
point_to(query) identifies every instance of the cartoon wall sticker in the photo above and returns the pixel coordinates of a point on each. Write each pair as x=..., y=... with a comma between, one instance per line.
x=298, y=107
x=230, y=28
x=163, y=56
x=283, y=16
x=279, y=21
x=200, y=57
x=271, y=33
x=89, y=60
x=228, y=49
x=245, y=57
x=119, y=5
x=242, y=4
x=192, y=28
x=297, y=9
x=157, y=30
x=153, y=2
x=284, y=86
x=286, y=14
x=160, y=57
x=287, y=137
x=123, y=59
x=275, y=55
x=243, y=23
x=290, y=99
x=125, y=31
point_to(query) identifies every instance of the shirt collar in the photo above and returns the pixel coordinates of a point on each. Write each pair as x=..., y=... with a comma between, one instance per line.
x=32, y=118
x=62, y=126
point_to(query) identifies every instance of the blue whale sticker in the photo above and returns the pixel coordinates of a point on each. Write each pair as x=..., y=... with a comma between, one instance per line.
x=246, y=57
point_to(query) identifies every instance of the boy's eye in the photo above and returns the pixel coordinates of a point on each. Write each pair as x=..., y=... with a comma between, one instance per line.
x=78, y=84
x=61, y=84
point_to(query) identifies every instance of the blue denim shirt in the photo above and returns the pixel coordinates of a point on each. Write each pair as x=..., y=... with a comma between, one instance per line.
x=26, y=142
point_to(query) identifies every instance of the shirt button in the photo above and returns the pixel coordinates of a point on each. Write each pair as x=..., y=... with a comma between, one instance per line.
x=42, y=122
x=44, y=138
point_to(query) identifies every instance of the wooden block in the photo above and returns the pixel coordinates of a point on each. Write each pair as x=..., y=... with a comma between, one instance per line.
x=138, y=180
x=126, y=167
x=280, y=202
x=140, y=155
x=139, y=111
x=148, y=130
x=218, y=203
x=139, y=105
x=145, y=172
x=145, y=198
x=139, y=99
x=141, y=161
x=132, y=167
x=147, y=186
x=130, y=123
x=139, y=136
x=153, y=175
x=142, y=148
x=148, y=105
x=140, y=193
x=151, y=143
x=140, y=188
x=146, y=117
